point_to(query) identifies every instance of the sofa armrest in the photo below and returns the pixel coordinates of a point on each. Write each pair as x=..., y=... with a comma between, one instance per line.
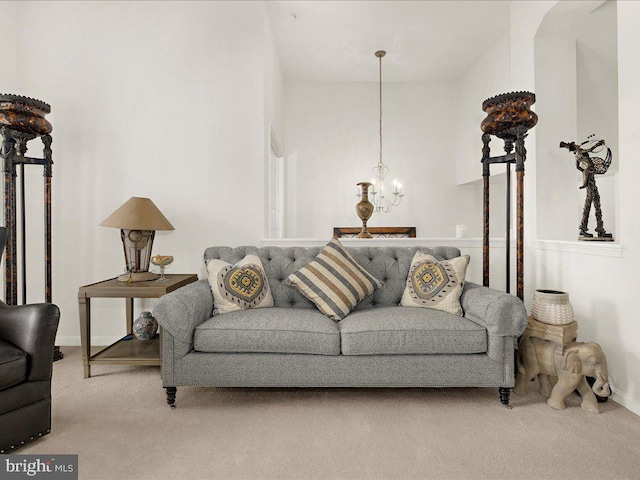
x=32, y=328
x=181, y=311
x=500, y=313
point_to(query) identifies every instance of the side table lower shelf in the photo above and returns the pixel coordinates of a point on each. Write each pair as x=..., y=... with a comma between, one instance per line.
x=129, y=351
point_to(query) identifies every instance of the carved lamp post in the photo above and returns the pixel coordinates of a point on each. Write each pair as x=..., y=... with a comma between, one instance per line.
x=508, y=117
x=22, y=120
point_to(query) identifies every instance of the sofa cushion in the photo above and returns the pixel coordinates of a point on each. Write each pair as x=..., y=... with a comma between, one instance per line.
x=271, y=330
x=240, y=286
x=434, y=283
x=13, y=365
x=405, y=330
x=334, y=281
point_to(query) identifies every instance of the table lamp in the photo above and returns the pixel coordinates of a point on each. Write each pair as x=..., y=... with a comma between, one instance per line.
x=138, y=219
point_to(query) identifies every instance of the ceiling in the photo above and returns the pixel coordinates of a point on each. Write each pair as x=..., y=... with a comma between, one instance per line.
x=424, y=40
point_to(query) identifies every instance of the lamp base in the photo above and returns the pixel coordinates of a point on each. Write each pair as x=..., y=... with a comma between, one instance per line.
x=138, y=277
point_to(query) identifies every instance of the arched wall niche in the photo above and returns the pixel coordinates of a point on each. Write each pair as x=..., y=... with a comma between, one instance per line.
x=576, y=85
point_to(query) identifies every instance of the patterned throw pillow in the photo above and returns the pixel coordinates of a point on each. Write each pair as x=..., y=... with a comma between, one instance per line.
x=435, y=283
x=334, y=281
x=240, y=286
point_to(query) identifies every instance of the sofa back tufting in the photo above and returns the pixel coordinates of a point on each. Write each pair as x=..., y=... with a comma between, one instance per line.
x=388, y=264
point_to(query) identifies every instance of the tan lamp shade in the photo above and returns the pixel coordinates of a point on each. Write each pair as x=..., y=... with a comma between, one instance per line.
x=138, y=214
x=138, y=219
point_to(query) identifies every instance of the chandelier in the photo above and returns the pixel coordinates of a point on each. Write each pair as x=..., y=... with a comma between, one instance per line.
x=382, y=200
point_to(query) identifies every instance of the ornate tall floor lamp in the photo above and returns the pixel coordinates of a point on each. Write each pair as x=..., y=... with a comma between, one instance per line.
x=508, y=118
x=22, y=120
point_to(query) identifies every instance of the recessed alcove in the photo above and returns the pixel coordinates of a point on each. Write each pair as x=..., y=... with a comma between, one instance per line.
x=576, y=84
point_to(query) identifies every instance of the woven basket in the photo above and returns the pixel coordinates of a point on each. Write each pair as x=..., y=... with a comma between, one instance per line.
x=552, y=306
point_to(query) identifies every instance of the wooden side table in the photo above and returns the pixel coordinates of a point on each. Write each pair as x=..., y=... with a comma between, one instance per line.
x=128, y=350
x=563, y=335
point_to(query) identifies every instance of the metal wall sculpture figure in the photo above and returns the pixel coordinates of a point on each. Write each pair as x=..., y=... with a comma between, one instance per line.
x=590, y=167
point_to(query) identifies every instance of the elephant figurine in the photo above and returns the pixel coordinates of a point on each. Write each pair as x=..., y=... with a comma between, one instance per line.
x=546, y=359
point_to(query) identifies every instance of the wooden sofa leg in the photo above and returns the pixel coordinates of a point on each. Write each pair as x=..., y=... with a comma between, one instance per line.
x=171, y=396
x=504, y=396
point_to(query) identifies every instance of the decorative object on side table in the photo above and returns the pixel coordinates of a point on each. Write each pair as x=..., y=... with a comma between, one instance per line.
x=364, y=209
x=590, y=167
x=552, y=306
x=162, y=261
x=138, y=219
x=145, y=327
x=508, y=117
x=22, y=119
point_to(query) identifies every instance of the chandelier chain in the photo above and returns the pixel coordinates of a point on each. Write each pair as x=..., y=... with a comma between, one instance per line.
x=383, y=201
x=380, y=63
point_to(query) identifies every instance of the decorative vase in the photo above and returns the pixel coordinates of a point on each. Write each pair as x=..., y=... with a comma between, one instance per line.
x=145, y=327
x=24, y=114
x=507, y=111
x=162, y=261
x=552, y=306
x=364, y=209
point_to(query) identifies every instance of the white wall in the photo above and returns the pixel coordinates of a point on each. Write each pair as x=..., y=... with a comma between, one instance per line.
x=157, y=99
x=597, y=76
x=273, y=100
x=558, y=179
x=9, y=41
x=489, y=76
x=273, y=81
x=8, y=72
x=621, y=338
x=576, y=83
x=332, y=130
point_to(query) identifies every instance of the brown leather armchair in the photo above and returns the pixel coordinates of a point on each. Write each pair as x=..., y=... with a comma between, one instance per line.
x=27, y=335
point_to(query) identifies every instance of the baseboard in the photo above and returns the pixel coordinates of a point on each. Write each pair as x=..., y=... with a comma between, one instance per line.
x=626, y=401
x=71, y=341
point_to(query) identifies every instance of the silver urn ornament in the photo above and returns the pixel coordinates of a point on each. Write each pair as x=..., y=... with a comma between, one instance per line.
x=145, y=327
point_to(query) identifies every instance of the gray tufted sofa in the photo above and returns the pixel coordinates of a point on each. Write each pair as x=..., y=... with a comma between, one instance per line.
x=379, y=344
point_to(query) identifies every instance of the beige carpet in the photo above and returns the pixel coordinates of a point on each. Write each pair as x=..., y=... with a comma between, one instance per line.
x=119, y=424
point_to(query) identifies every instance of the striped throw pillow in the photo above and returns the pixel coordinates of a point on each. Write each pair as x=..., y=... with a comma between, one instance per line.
x=334, y=281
